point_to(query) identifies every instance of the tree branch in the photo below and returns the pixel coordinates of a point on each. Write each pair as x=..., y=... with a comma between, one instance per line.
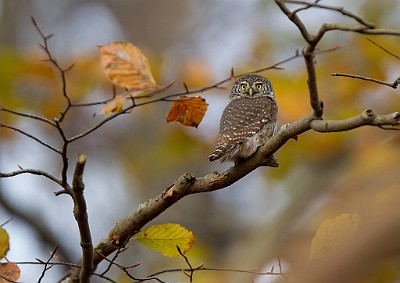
x=384, y=49
x=33, y=172
x=81, y=217
x=365, y=118
x=392, y=85
x=30, y=116
x=54, y=62
x=188, y=184
x=31, y=136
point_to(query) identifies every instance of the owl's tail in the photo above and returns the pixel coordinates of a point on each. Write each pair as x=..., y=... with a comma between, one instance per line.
x=223, y=152
x=217, y=154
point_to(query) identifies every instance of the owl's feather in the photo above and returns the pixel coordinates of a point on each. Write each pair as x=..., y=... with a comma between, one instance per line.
x=246, y=123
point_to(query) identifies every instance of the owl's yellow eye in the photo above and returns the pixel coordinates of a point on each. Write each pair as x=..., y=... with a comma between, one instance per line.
x=243, y=86
x=259, y=86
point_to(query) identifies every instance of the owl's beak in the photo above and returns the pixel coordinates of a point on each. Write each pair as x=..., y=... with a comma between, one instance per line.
x=251, y=92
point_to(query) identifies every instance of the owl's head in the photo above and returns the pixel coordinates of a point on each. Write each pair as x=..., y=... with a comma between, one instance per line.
x=251, y=85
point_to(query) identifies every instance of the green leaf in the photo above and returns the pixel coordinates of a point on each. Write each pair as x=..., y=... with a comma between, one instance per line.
x=4, y=243
x=165, y=238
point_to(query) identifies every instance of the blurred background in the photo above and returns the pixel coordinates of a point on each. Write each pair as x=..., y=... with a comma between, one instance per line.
x=272, y=211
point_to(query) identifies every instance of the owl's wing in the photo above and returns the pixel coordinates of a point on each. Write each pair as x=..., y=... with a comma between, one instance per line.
x=241, y=119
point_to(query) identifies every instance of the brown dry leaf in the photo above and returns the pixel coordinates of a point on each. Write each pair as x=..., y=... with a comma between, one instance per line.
x=116, y=104
x=9, y=271
x=189, y=111
x=334, y=232
x=126, y=66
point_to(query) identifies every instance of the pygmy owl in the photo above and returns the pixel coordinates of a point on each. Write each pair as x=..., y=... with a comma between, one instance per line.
x=248, y=121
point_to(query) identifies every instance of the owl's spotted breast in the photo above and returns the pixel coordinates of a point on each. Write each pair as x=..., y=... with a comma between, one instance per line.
x=245, y=124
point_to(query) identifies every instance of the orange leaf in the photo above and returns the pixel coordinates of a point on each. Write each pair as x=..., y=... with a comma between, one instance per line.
x=189, y=111
x=126, y=66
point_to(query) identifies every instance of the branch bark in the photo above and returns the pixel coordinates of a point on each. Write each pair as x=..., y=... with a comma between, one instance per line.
x=188, y=184
x=81, y=216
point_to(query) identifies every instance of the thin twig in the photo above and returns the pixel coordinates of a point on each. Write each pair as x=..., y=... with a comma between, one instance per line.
x=47, y=263
x=32, y=137
x=54, y=62
x=166, y=98
x=392, y=85
x=384, y=49
x=191, y=271
x=5, y=223
x=112, y=261
x=341, y=10
x=33, y=172
x=30, y=116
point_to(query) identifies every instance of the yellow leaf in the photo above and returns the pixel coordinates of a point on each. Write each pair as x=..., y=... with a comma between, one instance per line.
x=126, y=66
x=334, y=232
x=189, y=111
x=165, y=238
x=4, y=243
x=9, y=271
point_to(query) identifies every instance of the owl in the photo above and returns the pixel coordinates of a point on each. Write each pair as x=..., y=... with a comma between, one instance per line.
x=248, y=121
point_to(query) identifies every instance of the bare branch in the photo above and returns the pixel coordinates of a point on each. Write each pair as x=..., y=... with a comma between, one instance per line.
x=188, y=184
x=296, y=20
x=392, y=85
x=166, y=98
x=203, y=268
x=54, y=62
x=30, y=116
x=47, y=264
x=80, y=213
x=309, y=58
x=33, y=172
x=341, y=10
x=384, y=49
x=191, y=270
x=32, y=137
x=365, y=118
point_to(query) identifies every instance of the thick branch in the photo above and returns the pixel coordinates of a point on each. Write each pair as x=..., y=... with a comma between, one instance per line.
x=296, y=20
x=81, y=217
x=309, y=58
x=188, y=184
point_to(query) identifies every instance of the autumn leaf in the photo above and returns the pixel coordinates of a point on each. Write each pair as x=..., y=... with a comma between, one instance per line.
x=189, y=111
x=334, y=232
x=116, y=104
x=9, y=272
x=126, y=66
x=165, y=238
x=4, y=243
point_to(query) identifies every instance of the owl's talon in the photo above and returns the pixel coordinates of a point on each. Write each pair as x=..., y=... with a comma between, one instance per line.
x=272, y=161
